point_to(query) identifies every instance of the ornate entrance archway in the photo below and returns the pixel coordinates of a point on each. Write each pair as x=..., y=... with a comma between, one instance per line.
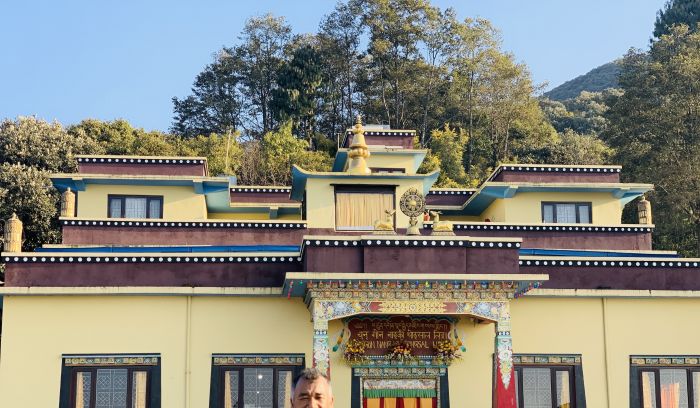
x=486, y=297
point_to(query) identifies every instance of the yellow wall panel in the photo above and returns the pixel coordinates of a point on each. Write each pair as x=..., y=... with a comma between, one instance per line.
x=527, y=207
x=179, y=202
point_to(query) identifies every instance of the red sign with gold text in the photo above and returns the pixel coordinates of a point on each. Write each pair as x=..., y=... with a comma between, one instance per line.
x=380, y=335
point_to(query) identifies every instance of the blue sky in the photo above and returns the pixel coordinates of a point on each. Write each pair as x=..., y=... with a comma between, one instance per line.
x=70, y=60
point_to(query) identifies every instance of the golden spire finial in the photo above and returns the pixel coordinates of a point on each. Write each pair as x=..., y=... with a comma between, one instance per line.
x=358, y=150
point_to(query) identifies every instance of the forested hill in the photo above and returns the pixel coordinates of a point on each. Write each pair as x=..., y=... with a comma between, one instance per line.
x=595, y=80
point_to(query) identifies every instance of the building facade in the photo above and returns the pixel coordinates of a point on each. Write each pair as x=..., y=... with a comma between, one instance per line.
x=172, y=288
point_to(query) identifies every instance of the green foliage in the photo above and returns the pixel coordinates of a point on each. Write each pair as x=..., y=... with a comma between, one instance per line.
x=655, y=127
x=447, y=151
x=36, y=143
x=296, y=97
x=215, y=105
x=269, y=161
x=119, y=137
x=28, y=192
x=595, y=80
x=676, y=12
x=223, y=152
x=575, y=148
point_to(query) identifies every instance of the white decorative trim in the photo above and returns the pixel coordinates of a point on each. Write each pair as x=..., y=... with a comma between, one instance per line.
x=606, y=263
x=127, y=160
x=555, y=169
x=561, y=228
x=186, y=224
x=451, y=192
x=385, y=133
x=261, y=189
x=38, y=257
x=414, y=243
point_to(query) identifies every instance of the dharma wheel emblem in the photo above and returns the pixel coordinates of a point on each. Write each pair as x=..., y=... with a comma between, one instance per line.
x=413, y=205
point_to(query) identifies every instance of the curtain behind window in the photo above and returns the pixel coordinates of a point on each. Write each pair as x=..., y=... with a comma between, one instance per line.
x=135, y=207
x=359, y=211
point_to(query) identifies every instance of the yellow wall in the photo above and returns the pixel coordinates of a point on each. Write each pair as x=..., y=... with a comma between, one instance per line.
x=320, y=199
x=252, y=216
x=402, y=161
x=38, y=329
x=527, y=207
x=179, y=202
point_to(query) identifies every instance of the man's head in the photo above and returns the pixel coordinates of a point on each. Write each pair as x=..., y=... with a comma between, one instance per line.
x=311, y=389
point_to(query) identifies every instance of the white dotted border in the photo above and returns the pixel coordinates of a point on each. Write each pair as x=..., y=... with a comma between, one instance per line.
x=409, y=243
x=151, y=259
x=188, y=224
x=138, y=161
x=261, y=189
x=384, y=132
x=451, y=192
x=471, y=227
x=643, y=264
x=563, y=169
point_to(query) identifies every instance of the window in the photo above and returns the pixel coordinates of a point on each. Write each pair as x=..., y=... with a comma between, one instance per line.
x=135, y=206
x=256, y=381
x=357, y=209
x=388, y=170
x=568, y=213
x=665, y=382
x=548, y=381
x=110, y=381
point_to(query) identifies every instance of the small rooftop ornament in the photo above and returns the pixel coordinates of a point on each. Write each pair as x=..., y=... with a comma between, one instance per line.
x=413, y=205
x=358, y=150
x=385, y=227
x=441, y=227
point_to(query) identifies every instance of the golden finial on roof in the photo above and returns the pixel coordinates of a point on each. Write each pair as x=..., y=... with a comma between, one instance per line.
x=358, y=150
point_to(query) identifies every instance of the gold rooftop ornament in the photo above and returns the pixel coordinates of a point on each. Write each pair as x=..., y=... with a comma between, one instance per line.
x=441, y=227
x=13, y=234
x=385, y=227
x=413, y=205
x=358, y=150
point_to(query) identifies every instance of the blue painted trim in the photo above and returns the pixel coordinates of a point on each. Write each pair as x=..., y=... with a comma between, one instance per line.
x=585, y=253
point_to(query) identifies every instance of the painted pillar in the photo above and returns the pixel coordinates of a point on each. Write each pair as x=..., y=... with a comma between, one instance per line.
x=68, y=204
x=321, y=358
x=505, y=379
x=13, y=234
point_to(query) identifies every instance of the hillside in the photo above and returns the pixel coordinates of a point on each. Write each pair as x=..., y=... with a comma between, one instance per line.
x=597, y=79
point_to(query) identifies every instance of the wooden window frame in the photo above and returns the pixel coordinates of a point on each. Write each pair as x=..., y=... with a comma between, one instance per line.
x=123, y=197
x=657, y=383
x=576, y=203
x=217, y=392
x=69, y=376
x=553, y=377
x=361, y=189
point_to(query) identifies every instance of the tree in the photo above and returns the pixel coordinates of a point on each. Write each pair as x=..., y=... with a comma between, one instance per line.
x=395, y=33
x=28, y=192
x=475, y=45
x=677, y=12
x=655, y=127
x=339, y=41
x=119, y=137
x=575, y=148
x=262, y=53
x=216, y=103
x=296, y=97
x=36, y=143
x=447, y=145
x=269, y=161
